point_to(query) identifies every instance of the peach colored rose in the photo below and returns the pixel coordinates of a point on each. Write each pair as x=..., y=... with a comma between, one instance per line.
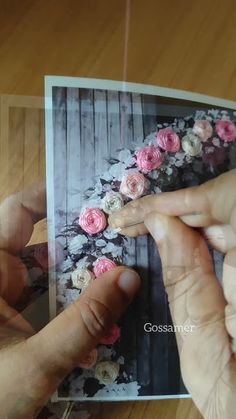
x=111, y=336
x=203, y=129
x=134, y=185
x=149, y=158
x=168, y=140
x=226, y=130
x=92, y=220
x=102, y=266
x=89, y=360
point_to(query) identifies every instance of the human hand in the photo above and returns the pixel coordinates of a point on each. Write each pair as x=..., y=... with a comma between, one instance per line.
x=33, y=364
x=207, y=358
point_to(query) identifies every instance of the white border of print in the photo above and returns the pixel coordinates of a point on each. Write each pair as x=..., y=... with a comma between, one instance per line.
x=77, y=82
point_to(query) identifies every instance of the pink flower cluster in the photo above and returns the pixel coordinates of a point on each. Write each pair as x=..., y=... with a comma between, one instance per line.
x=134, y=184
x=225, y=129
x=151, y=157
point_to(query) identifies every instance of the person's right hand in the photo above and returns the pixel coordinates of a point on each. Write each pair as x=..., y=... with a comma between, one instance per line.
x=207, y=357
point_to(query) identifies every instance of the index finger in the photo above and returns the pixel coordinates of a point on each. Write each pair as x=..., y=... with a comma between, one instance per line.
x=200, y=206
x=18, y=214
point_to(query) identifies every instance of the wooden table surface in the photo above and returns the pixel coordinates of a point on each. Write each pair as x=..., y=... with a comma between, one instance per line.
x=181, y=44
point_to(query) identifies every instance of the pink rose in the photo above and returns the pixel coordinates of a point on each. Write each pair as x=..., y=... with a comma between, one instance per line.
x=92, y=220
x=111, y=336
x=203, y=129
x=168, y=140
x=89, y=360
x=134, y=185
x=149, y=158
x=102, y=266
x=226, y=130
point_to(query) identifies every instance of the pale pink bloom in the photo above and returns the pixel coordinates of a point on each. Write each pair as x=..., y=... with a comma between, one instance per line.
x=149, y=158
x=168, y=140
x=92, y=220
x=134, y=185
x=89, y=360
x=203, y=129
x=226, y=130
x=102, y=266
x=111, y=336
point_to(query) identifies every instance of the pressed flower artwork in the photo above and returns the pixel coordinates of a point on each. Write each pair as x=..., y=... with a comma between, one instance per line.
x=112, y=147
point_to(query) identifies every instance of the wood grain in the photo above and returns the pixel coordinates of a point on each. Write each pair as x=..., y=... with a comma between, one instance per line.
x=187, y=45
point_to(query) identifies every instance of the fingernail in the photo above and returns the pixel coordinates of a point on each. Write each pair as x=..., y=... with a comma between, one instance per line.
x=155, y=227
x=129, y=282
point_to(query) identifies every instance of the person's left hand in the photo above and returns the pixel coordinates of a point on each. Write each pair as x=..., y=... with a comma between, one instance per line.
x=33, y=364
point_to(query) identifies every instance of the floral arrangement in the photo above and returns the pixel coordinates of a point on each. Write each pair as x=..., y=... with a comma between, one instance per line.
x=197, y=144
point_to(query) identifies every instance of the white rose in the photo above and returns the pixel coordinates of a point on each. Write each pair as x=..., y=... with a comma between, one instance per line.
x=112, y=202
x=77, y=243
x=191, y=144
x=106, y=372
x=82, y=278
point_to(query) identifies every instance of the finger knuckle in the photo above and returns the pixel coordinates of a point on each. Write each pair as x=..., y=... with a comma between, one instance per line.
x=96, y=316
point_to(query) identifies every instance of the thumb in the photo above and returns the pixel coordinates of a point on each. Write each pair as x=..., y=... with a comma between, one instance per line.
x=77, y=330
x=196, y=300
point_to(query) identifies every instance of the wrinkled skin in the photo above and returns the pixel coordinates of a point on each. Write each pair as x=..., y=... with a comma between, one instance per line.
x=33, y=364
x=196, y=298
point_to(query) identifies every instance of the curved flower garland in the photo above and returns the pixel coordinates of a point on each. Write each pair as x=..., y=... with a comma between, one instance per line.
x=93, y=248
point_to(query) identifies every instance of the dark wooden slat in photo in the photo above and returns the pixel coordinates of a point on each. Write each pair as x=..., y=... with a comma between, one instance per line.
x=126, y=120
x=159, y=341
x=60, y=156
x=101, y=151
x=73, y=192
x=87, y=147
x=129, y=337
x=158, y=308
x=143, y=338
x=113, y=123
